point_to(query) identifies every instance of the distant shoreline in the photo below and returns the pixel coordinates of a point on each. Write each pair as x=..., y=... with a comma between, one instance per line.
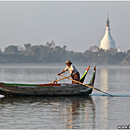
x=59, y=64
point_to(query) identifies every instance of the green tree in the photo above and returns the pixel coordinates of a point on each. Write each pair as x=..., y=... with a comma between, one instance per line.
x=128, y=56
x=52, y=44
x=11, y=49
x=64, y=47
x=94, y=48
x=27, y=46
x=28, y=50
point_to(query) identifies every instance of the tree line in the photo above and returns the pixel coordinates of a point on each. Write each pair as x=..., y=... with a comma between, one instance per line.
x=50, y=53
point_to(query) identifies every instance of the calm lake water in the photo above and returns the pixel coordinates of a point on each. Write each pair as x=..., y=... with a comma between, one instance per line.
x=98, y=111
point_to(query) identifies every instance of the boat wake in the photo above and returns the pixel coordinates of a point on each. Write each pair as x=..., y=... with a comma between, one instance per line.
x=113, y=94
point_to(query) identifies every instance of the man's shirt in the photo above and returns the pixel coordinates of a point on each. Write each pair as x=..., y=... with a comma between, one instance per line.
x=71, y=69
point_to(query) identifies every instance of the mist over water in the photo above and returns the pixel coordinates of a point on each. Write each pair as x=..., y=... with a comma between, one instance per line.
x=98, y=111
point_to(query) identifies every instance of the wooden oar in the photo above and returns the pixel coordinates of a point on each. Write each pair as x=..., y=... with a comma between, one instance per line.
x=86, y=85
x=58, y=80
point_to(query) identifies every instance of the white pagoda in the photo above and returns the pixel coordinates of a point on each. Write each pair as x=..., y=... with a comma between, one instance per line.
x=107, y=42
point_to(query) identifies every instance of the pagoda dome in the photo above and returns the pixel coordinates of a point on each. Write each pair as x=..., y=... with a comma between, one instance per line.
x=107, y=42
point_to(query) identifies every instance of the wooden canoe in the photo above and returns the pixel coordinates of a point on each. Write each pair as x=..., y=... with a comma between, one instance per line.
x=62, y=89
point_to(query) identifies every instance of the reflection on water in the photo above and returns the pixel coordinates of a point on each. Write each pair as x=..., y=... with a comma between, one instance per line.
x=47, y=112
x=104, y=80
x=104, y=101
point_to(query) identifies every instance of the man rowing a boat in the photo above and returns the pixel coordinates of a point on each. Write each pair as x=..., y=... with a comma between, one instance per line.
x=73, y=71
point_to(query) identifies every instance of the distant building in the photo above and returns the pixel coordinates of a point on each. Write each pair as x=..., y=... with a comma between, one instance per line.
x=118, y=50
x=107, y=42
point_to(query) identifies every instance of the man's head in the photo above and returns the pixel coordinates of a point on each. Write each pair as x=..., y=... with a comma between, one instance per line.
x=68, y=62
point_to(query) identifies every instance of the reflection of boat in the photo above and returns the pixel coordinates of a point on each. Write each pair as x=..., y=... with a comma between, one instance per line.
x=46, y=89
x=60, y=112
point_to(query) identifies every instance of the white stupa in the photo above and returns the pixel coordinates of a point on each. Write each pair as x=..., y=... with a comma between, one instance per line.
x=107, y=42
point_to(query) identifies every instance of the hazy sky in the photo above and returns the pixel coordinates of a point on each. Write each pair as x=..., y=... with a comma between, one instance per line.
x=78, y=25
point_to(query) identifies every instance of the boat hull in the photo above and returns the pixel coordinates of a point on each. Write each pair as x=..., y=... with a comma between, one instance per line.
x=45, y=90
